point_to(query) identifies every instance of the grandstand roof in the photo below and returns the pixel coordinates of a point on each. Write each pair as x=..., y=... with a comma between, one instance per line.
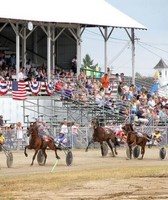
x=161, y=65
x=84, y=12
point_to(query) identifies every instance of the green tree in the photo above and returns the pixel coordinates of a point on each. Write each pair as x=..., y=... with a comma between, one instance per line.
x=138, y=75
x=87, y=61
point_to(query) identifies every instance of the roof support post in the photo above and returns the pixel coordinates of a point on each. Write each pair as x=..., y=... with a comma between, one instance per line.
x=133, y=55
x=105, y=49
x=106, y=36
x=48, y=52
x=24, y=48
x=53, y=48
x=17, y=50
x=78, y=49
x=132, y=38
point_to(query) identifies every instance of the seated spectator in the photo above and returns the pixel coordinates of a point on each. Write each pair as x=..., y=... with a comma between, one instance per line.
x=99, y=98
x=21, y=75
x=67, y=91
x=151, y=102
x=141, y=115
x=84, y=95
x=59, y=86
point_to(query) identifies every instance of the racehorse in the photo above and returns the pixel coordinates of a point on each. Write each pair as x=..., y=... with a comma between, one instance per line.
x=36, y=142
x=134, y=138
x=102, y=134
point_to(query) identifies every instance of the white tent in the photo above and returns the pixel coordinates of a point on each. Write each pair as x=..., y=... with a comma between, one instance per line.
x=84, y=12
x=75, y=15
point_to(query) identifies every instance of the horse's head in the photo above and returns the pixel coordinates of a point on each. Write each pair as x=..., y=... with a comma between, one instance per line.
x=128, y=127
x=94, y=123
x=32, y=129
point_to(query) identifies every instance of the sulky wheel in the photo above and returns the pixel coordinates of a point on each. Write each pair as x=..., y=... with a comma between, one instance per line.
x=69, y=158
x=40, y=157
x=105, y=149
x=136, y=151
x=162, y=153
x=128, y=152
x=9, y=159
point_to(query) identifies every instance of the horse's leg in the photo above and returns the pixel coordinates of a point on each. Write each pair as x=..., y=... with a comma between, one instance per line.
x=26, y=147
x=36, y=151
x=109, y=144
x=142, y=152
x=116, y=143
x=45, y=155
x=130, y=151
x=90, y=142
x=101, y=146
x=56, y=155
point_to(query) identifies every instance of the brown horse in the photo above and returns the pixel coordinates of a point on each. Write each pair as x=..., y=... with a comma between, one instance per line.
x=134, y=138
x=36, y=142
x=102, y=134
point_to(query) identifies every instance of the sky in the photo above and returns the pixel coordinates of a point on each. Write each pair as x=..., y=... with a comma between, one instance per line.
x=151, y=44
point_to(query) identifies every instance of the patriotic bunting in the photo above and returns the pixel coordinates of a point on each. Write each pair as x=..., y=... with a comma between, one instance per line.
x=35, y=87
x=50, y=88
x=4, y=87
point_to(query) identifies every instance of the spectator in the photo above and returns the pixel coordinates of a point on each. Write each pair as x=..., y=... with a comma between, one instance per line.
x=141, y=115
x=21, y=75
x=99, y=99
x=74, y=65
x=105, y=82
x=1, y=120
x=74, y=130
x=19, y=133
x=64, y=127
x=151, y=102
x=10, y=134
x=120, y=90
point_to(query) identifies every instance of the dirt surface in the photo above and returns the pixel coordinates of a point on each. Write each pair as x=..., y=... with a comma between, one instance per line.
x=133, y=187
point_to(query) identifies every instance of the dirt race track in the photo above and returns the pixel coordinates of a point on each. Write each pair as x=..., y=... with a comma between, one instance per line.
x=90, y=177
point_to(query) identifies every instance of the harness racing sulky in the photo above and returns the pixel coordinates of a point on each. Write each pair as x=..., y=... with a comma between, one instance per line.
x=138, y=140
x=105, y=136
x=41, y=144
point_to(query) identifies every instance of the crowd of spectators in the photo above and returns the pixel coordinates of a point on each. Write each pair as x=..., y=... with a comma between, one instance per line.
x=136, y=103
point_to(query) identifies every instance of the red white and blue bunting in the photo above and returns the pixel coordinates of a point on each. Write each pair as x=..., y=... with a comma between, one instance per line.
x=4, y=87
x=35, y=87
x=50, y=88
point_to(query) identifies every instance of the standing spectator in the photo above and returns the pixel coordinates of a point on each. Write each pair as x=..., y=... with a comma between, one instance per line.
x=64, y=127
x=44, y=129
x=74, y=65
x=1, y=120
x=10, y=134
x=64, y=130
x=120, y=90
x=74, y=130
x=19, y=133
x=105, y=82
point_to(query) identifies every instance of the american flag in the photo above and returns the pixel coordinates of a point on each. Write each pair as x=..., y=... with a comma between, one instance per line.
x=19, y=90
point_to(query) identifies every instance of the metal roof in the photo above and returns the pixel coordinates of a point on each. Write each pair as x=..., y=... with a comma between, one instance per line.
x=161, y=65
x=84, y=12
